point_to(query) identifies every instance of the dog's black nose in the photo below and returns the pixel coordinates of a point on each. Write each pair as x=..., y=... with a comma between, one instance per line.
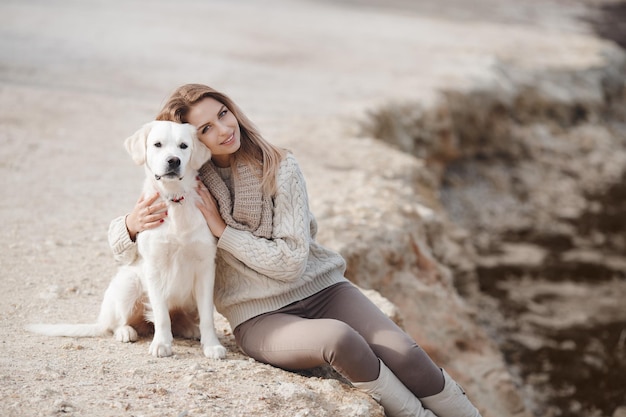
x=173, y=162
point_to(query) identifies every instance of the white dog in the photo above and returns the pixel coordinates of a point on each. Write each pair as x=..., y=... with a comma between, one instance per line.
x=175, y=270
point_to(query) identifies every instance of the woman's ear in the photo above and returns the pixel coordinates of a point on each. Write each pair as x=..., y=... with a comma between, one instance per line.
x=136, y=144
x=200, y=153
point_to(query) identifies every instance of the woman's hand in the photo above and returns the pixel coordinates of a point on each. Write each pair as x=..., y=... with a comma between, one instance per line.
x=208, y=208
x=145, y=215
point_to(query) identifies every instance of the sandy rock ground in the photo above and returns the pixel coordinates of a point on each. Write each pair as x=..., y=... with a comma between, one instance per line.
x=76, y=78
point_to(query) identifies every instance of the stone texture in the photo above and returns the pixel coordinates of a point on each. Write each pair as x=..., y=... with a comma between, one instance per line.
x=532, y=168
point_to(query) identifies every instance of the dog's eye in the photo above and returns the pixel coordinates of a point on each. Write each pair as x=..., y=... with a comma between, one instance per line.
x=157, y=145
x=183, y=146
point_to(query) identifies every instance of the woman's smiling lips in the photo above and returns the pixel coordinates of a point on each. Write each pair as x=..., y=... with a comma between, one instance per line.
x=229, y=140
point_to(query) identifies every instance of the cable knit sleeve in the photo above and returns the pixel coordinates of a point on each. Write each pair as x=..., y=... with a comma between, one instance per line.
x=284, y=256
x=124, y=249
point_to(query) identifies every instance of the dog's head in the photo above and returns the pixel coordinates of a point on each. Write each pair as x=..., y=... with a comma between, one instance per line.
x=167, y=149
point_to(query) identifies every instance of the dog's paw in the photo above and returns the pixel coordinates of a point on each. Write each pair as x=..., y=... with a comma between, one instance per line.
x=214, y=351
x=160, y=350
x=125, y=334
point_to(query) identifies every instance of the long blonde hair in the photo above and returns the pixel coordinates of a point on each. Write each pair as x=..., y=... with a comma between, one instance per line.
x=254, y=150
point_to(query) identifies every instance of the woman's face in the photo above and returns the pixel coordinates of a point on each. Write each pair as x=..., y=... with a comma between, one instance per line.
x=217, y=128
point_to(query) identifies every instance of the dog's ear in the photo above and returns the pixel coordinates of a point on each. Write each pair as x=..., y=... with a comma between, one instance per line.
x=200, y=153
x=136, y=144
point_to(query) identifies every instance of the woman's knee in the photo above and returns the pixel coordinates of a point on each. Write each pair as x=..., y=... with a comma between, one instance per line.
x=340, y=338
x=414, y=368
x=348, y=352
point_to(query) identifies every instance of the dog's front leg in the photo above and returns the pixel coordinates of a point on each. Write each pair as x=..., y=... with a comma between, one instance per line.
x=162, y=342
x=205, y=280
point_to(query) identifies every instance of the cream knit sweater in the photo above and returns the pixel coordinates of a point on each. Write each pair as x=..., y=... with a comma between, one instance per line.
x=256, y=275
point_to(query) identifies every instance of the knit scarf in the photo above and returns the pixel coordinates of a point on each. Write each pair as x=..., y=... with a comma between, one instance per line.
x=248, y=209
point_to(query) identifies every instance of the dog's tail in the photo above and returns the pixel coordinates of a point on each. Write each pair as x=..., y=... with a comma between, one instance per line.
x=68, y=330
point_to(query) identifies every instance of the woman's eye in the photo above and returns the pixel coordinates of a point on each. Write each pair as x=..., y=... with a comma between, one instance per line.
x=157, y=145
x=223, y=113
x=183, y=146
x=205, y=129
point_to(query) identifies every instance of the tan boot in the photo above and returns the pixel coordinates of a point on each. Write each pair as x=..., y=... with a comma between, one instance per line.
x=451, y=402
x=393, y=395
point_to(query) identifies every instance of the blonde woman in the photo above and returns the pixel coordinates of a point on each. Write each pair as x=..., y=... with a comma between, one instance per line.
x=284, y=295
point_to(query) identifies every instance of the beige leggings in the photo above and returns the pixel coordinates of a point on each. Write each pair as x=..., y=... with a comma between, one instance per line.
x=341, y=327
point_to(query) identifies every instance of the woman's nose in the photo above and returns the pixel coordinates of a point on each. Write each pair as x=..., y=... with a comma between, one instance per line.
x=222, y=128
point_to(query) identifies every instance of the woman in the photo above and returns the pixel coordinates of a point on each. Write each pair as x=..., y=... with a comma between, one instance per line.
x=284, y=295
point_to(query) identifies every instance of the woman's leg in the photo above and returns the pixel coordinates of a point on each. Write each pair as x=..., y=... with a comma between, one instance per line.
x=341, y=327
x=391, y=344
x=433, y=386
x=291, y=342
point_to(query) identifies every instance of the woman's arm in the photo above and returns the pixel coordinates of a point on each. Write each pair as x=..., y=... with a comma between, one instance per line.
x=284, y=256
x=147, y=214
x=123, y=247
x=208, y=208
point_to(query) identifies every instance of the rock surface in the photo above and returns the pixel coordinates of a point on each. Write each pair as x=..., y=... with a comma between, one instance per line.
x=533, y=168
x=77, y=78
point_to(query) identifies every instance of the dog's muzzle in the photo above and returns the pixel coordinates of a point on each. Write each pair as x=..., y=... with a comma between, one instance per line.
x=172, y=170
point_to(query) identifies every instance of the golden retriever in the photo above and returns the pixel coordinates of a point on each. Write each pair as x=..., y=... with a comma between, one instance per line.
x=170, y=284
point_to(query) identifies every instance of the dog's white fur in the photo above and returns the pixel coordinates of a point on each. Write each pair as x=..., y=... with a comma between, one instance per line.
x=174, y=273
